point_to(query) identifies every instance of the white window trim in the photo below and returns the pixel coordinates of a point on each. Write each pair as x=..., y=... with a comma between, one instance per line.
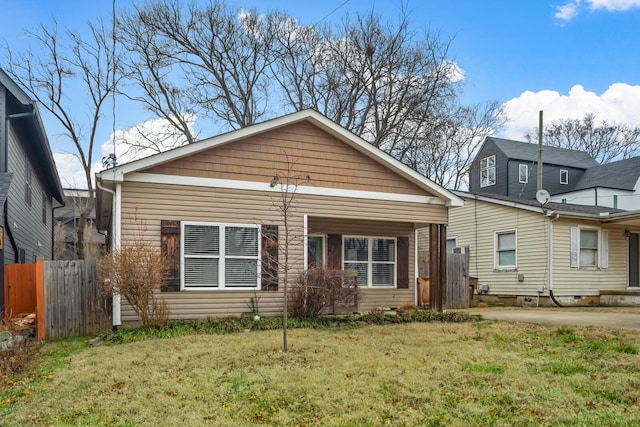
x=484, y=166
x=370, y=262
x=221, y=256
x=496, y=258
x=602, y=256
x=455, y=242
x=526, y=173
x=566, y=172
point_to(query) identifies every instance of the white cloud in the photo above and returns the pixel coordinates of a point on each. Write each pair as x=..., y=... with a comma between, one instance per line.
x=619, y=103
x=570, y=10
x=613, y=5
x=141, y=140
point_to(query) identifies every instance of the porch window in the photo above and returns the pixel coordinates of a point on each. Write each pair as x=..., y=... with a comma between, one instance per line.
x=488, y=171
x=589, y=247
x=218, y=256
x=373, y=258
x=505, y=244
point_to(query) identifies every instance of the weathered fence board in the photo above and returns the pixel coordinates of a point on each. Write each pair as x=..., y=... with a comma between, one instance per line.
x=457, y=281
x=73, y=299
x=457, y=292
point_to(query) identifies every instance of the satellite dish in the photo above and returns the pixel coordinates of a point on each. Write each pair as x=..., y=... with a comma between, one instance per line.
x=543, y=196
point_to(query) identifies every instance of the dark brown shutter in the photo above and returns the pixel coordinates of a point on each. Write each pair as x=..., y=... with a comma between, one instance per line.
x=403, y=262
x=334, y=261
x=269, y=271
x=170, y=238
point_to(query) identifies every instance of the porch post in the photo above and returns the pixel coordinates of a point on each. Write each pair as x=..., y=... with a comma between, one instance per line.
x=443, y=267
x=434, y=268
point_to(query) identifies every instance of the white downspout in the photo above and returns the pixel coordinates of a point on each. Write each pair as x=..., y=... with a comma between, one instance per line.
x=551, y=255
x=115, y=225
x=415, y=267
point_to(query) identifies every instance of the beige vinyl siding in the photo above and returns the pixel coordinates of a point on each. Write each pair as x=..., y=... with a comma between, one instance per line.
x=328, y=161
x=588, y=280
x=144, y=205
x=475, y=225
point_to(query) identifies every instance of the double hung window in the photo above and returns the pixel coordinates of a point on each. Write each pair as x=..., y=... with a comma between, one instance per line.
x=488, y=171
x=218, y=256
x=373, y=258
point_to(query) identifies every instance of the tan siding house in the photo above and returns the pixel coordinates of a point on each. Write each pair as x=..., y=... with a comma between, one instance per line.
x=355, y=207
x=525, y=253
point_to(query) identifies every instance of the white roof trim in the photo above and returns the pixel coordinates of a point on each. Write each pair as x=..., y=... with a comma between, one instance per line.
x=265, y=186
x=117, y=173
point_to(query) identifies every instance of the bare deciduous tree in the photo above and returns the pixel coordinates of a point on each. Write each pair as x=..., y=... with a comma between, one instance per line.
x=50, y=73
x=605, y=142
x=287, y=182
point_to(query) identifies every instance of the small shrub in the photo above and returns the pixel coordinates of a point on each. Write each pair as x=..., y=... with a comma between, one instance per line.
x=16, y=349
x=136, y=271
x=317, y=290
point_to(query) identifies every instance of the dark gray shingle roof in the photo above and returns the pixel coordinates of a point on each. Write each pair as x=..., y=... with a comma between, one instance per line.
x=554, y=206
x=550, y=155
x=621, y=175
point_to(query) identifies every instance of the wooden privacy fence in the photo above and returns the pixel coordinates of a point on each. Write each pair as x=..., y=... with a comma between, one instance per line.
x=68, y=297
x=457, y=292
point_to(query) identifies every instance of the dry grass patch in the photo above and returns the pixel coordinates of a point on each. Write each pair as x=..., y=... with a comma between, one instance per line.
x=410, y=374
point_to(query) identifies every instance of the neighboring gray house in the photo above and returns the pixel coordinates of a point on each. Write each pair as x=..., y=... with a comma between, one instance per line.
x=615, y=185
x=510, y=168
x=29, y=183
x=68, y=217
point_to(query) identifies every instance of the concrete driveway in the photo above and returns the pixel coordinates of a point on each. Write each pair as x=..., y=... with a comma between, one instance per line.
x=628, y=318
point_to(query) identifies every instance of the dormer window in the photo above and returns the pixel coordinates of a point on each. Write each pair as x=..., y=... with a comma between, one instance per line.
x=523, y=173
x=488, y=171
x=564, y=176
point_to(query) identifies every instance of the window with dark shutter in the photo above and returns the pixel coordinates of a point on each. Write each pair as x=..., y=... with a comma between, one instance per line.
x=170, y=238
x=403, y=262
x=269, y=271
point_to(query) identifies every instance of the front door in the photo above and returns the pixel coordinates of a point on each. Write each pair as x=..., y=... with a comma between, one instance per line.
x=634, y=260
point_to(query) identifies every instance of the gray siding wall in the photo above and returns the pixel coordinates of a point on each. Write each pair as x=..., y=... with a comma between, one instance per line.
x=24, y=221
x=502, y=176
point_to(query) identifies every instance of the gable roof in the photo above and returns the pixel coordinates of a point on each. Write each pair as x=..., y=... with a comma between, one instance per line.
x=570, y=209
x=118, y=173
x=621, y=175
x=38, y=142
x=550, y=155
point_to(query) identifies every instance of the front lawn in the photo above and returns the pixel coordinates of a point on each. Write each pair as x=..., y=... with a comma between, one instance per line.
x=480, y=373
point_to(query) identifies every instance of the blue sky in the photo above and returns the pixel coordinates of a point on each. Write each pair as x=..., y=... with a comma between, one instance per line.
x=566, y=57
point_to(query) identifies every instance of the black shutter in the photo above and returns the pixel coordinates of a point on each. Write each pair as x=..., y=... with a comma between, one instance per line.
x=170, y=238
x=269, y=269
x=403, y=262
x=334, y=252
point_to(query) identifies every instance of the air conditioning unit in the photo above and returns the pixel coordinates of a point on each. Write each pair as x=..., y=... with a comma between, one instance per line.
x=482, y=288
x=461, y=250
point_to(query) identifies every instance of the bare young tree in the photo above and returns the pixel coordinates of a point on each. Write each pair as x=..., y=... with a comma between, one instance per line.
x=287, y=182
x=605, y=142
x=50, y=70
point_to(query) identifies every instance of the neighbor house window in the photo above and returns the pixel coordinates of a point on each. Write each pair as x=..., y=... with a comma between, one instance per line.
x=505, y=244
x=523, y=174
x=27, y=184
x=488, y=171
x=373, y=258
x=218, y=256
x=564, y=176
x=451, y=243
x=44, y=209
x=589, y=247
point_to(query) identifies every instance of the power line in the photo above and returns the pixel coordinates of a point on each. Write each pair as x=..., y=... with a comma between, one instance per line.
x=332, y=12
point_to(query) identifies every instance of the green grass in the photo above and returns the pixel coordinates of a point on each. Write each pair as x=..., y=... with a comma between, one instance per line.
x=336, y=374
